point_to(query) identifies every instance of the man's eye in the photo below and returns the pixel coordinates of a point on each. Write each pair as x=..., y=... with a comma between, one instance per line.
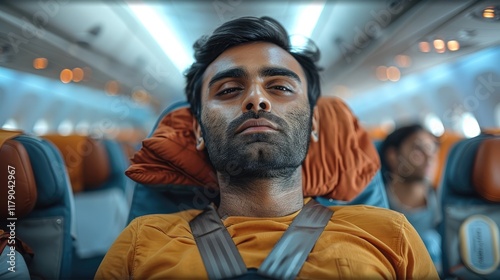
x=227, y=91
x=282, y=88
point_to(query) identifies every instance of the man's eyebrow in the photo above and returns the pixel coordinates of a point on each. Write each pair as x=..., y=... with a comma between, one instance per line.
x=277, y=71
x=229, y=73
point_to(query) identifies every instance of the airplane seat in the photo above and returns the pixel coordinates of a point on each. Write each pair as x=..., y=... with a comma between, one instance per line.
x=119, y=162
x=374, y=194
x=19, y=199
x=48, y=228
x=187, y=193
x=100, y=200
x=470, y=205
x=446, y=142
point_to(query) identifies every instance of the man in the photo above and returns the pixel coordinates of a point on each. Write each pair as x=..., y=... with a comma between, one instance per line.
x=254, y=100
x=409, y=159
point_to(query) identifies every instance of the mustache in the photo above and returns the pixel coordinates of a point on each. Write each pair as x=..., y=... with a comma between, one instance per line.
x=233, y=125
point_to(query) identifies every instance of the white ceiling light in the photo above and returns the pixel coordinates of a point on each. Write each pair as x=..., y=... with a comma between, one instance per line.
x=65, y=128
x=163, y=32
x=10, y=124
x=434, y=124
x=470, y=126
x=41, y=127
x=305, y=22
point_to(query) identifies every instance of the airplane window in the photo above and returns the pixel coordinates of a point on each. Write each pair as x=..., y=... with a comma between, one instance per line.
x=434, y=124
x=41, y=127
x=469, y=125
x=65, y=127
x=10, y=124
x=497, y=114
x=82, y=128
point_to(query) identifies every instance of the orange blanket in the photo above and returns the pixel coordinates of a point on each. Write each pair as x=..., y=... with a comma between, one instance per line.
x=338, y=166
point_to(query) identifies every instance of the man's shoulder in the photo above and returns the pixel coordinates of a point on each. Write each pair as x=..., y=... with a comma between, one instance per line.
x=368, y=215
x=165, y=220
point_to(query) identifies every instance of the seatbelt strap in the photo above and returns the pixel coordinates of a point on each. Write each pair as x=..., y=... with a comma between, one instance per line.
x=290, y=253
x=222, y=259
x=218, y=252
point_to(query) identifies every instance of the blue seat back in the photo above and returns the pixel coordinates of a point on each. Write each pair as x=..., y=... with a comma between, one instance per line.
x=470, y=224
x=49, y=229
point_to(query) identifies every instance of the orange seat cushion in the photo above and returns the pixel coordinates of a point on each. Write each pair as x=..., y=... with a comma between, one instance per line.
x=486, y=172
x=20, y=187
x=86, y=160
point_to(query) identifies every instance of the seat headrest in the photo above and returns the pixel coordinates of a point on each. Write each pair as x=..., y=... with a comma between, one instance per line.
x=339, y=166
x=486, y=172
x=17, y=182
x=86, y=160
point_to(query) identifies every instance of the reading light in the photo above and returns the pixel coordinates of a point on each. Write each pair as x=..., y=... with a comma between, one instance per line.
x=489, y=13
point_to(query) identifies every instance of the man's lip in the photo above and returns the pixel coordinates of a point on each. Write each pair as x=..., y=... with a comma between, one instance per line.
x=256, y=125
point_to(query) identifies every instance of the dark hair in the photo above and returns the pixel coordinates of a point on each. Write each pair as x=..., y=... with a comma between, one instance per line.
x=244, y=30
x=396, y=139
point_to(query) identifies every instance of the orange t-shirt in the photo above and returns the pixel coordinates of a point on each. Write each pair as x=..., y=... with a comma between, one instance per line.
x=359, y=242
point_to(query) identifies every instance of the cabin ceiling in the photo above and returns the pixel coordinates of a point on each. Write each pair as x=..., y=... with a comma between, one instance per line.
x=354, y=37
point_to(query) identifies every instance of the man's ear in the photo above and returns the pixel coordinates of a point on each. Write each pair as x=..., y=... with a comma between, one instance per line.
x=200, y=142
x=315, y=125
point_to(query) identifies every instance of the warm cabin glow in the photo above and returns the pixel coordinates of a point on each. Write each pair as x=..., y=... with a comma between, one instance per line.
x=393, y=74
x=66, y=76
x=424, y=47
x=489, y=13
x=112, y=87
x=78, y=75
x=403, y=60
x=439, y=46
x=381, y=73
x=40, y=63
x=141, y=96
x=453, y=45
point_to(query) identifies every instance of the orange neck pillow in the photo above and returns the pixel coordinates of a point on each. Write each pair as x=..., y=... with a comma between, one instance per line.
x=339, y=166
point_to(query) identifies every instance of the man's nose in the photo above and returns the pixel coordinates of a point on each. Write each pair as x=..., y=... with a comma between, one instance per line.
x=256, y=100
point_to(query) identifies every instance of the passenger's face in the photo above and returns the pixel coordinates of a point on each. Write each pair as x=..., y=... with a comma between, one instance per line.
x=417, y=157
x=255, y=116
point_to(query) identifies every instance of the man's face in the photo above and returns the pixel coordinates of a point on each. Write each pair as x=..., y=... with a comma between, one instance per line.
x=255, y=115
x=417, y=157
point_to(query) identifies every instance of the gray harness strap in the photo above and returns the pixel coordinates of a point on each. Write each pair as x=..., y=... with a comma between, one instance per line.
x=222, y=259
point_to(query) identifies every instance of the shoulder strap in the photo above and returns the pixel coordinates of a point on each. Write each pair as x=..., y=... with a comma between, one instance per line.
x=222, y=259
x=290, y=253
x=218, y=252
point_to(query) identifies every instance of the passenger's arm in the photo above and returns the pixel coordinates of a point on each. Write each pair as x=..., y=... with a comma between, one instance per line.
x=119, y=261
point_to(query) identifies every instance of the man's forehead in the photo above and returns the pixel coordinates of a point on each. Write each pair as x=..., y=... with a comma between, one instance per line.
x=253, y=56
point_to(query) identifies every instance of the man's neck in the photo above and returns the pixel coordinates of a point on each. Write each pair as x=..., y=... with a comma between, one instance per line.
x=413, y=194
x=262, y=197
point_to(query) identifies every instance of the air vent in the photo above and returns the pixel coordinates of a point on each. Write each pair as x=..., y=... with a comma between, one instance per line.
x=86, y=38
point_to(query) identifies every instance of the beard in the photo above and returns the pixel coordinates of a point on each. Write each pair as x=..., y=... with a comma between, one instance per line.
x=257, y=155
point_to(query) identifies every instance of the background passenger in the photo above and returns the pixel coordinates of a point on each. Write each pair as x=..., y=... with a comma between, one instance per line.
x=408, y=158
